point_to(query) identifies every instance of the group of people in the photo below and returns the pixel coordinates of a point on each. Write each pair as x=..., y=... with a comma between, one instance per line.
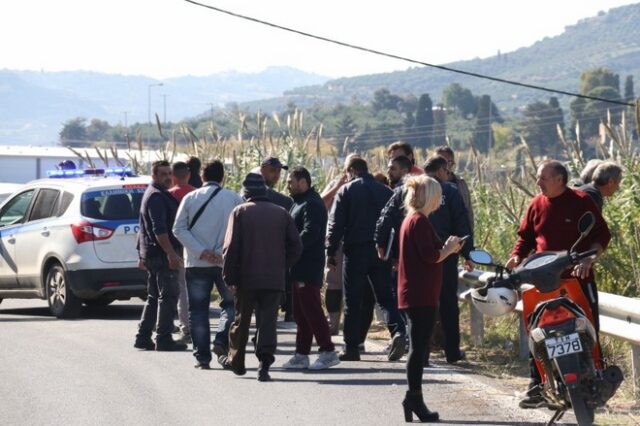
x=395, y=244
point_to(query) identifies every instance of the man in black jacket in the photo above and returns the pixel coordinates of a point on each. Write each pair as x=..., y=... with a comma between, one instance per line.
x=158, y=252
x=310, y=217
x=352, y=220
x=450, y=219
x=393, y=214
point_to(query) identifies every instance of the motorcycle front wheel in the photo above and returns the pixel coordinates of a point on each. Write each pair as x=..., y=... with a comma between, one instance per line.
x=584, y=413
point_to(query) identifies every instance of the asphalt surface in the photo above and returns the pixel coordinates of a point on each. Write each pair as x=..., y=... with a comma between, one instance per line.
x=86, y=371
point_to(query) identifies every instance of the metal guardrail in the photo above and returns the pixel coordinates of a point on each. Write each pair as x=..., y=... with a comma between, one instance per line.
x=619, y=318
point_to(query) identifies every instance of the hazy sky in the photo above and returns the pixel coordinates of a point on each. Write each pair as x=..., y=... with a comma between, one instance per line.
x=168, y=38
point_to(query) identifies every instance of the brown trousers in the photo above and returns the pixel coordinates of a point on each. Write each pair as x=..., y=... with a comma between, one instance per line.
x=265, y=303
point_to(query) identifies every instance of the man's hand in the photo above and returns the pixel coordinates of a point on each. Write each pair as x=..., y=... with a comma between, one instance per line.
x=394, y=265
x=210, y=256
x=175, y=262
x=468, y=265
x=581, y=270
x=141, y=265
x=233, y=289
x=513, y=262
x=381, y=251
x=332, y=263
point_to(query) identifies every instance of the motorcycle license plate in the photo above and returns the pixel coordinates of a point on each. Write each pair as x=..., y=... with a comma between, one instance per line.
x=563, y=345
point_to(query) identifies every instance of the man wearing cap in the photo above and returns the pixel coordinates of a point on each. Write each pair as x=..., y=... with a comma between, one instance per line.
x=270, y=170
x=260, y=244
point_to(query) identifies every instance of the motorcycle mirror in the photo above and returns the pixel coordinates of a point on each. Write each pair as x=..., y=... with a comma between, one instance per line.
x=586, y=223
x=481, y=257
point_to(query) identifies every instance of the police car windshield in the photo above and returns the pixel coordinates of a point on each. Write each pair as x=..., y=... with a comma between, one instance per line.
x=112, y=204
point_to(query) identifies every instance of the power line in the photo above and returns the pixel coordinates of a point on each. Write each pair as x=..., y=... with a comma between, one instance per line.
x=402, y=58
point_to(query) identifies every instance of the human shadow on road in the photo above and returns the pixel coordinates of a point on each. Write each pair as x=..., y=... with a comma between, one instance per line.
x=26, y=319
x=448, y=369
x=345, y=370
x=115, y=312
x=32, y=312
x=487, y=423
x=358, y=382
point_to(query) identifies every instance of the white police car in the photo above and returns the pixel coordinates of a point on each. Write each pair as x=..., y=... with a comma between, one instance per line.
x=71, y=239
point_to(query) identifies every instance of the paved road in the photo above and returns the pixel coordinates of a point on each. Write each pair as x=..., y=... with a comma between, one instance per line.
x=85, y=372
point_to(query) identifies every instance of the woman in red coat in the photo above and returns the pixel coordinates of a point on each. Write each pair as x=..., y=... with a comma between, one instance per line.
x=420, y=281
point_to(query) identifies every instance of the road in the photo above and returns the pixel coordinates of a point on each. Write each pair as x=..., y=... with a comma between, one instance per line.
x=85, y=372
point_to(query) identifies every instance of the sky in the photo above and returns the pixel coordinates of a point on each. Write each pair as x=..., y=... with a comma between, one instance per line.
x=171, y=38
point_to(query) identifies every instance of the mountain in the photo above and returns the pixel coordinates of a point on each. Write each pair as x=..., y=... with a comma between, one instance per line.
x=33, y=105
x=611, y=39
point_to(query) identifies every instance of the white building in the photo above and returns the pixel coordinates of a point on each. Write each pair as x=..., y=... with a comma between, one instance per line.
x=21, y=164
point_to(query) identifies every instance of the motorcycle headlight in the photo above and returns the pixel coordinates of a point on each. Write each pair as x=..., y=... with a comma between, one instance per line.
x=538, y=335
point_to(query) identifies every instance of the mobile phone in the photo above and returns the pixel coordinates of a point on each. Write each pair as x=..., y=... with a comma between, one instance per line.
x=465, y=238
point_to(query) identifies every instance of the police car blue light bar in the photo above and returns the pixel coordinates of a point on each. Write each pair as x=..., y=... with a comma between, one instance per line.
x=119, y=171
x=61, y=174
x=112, y=171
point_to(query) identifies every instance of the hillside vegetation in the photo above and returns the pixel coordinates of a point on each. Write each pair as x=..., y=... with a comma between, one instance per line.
x=610, y=40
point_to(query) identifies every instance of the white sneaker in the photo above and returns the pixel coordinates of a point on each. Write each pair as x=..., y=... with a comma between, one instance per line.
x=297, y=361
x=325, y=360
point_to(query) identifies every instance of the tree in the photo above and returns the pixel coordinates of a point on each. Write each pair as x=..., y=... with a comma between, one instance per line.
x=423, y=128
x=598, y=77
x=485, y=115
x=439, y=136
x=460, y=99
x=539, y=127
x=97, y=129
x=601, y=83
x=73, y=132
x=383, y=99
x=629, y=96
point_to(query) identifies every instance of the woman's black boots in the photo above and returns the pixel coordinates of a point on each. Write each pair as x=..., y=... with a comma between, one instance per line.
x=413, y=403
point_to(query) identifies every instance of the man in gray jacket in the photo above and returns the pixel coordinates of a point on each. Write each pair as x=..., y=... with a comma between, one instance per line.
x=261, y=243
x=200, y=226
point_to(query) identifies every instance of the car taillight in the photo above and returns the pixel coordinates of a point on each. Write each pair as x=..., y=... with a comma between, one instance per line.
x=85, y=231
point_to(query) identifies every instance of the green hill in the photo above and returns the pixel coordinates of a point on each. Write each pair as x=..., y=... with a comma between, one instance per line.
x=611, y=39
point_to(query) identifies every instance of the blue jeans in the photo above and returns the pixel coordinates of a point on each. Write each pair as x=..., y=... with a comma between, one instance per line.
x=200, y=282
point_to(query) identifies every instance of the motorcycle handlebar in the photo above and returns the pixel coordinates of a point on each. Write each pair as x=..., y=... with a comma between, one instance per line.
x=579, y=256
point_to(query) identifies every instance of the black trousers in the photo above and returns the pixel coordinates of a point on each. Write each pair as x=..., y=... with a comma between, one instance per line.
x=362, y=268
x=421, y=321
x=162, y=300
x=366, y=317
x=449, y=310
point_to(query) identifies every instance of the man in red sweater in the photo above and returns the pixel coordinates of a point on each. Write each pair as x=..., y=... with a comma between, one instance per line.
x=551, y=224
x=180, y=188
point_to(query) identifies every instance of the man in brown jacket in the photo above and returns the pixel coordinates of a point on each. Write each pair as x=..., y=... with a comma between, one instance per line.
x=261, y=243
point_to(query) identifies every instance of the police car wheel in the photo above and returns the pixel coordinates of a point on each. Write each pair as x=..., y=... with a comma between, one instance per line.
x=62, y=302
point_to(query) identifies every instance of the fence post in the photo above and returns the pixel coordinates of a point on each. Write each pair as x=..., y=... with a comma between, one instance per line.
x=477, y=325
x=523, y=341
x=635, y=369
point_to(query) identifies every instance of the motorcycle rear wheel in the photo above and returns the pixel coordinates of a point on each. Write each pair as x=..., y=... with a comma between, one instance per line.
x=584, y=414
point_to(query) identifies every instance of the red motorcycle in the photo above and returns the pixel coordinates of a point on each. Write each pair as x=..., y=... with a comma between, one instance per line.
x=559, y=323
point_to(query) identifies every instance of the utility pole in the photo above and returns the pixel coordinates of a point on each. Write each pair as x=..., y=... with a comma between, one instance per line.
x=490, y=132
x=164, y=105
x=149, y=105
x=211, y=105
x=125, y=118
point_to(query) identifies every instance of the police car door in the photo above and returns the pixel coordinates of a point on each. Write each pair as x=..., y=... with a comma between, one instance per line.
x=35, y=238
x=12, y=215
